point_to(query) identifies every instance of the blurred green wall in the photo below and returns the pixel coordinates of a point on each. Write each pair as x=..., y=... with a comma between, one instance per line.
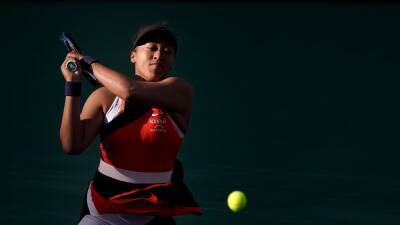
x=296, y=104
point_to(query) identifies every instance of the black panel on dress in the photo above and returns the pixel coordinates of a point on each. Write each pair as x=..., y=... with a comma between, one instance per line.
x=130, y=114
x=177, y=193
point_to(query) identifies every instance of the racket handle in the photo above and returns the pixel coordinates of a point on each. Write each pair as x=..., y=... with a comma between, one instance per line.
x=71, y=66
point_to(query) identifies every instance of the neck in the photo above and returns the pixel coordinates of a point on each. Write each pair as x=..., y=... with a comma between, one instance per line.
x=138, y=77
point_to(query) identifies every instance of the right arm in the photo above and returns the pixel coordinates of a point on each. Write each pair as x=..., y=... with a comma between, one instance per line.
x=78, y=129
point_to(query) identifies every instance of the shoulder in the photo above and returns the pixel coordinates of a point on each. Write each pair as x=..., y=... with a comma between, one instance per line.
x=100, y=94
x=179, y=83
x=101, y=97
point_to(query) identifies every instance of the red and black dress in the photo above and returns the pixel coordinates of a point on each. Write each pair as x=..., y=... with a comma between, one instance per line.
x=139, y=172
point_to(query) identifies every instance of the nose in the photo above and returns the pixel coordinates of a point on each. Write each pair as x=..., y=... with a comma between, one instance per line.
x=158, y=54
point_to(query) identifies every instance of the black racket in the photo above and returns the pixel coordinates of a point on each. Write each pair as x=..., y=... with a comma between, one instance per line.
x=71, y=65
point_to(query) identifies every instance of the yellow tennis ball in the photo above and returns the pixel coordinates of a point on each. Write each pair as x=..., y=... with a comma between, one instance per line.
x=237, y=201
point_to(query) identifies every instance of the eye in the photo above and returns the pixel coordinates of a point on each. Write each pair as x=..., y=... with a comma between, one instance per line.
x=168, y=50
x=152, y=47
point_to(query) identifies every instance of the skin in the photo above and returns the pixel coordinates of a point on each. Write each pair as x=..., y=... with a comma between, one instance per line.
x=151, y=87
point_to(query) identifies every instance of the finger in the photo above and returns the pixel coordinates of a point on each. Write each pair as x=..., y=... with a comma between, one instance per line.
x=68, y=59
x=75, y=55
x=72, y=55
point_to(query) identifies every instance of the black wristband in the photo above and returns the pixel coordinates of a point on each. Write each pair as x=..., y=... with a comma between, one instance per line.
x=73, y=88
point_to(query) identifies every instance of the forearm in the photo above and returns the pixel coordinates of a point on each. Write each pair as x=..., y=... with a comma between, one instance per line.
x=71, y=130
x=170, y=93
x=115, y=82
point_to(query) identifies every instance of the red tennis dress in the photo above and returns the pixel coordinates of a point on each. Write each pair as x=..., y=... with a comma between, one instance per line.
x=139, y=172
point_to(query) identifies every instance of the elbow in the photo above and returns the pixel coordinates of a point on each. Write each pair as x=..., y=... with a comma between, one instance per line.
x=190, y=93
x=71, y=150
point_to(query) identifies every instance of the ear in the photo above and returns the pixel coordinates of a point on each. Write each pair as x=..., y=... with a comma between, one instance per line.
x=133, y=56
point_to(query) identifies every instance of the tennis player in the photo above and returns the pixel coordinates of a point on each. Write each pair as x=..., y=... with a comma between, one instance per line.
x=141, y=121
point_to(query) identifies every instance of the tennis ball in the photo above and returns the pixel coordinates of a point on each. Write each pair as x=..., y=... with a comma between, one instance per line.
x=237, y=201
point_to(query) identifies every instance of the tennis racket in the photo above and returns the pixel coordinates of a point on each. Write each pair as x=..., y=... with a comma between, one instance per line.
x=71, y=46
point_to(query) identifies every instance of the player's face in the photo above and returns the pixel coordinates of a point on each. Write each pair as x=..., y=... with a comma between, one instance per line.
x=153, y=60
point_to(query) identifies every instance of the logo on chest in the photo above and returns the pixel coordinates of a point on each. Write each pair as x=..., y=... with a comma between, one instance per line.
x=158, y=124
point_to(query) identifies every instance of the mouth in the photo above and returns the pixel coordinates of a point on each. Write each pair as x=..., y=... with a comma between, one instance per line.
x=157, y=64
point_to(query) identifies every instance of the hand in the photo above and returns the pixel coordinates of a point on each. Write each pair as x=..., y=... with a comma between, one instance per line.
x=68, y=75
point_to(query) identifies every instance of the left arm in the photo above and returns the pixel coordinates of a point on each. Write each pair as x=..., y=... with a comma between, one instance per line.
x=171, y=93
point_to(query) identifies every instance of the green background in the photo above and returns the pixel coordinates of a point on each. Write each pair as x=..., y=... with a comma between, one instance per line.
x=296, y=105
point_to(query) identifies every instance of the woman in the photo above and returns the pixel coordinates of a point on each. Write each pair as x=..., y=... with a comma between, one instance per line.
x=141, y=123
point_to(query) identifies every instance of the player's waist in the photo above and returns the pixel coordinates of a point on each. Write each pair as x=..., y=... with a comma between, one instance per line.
x=131, y=176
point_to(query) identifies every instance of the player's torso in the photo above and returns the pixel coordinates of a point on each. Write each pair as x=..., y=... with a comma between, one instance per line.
x=139, y=139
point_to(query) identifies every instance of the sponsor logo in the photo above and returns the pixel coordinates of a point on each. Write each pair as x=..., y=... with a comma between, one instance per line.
x=159, y=129
x=158, y=125
x=158, y=121
x=157, y=114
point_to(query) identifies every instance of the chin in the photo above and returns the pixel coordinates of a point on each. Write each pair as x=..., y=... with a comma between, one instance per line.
x=155, y=77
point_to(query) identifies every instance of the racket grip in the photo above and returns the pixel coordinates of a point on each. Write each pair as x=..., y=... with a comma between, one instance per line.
x=71, y=66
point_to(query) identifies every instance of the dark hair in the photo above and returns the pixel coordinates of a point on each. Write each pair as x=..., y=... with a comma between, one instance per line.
x=154, y=32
